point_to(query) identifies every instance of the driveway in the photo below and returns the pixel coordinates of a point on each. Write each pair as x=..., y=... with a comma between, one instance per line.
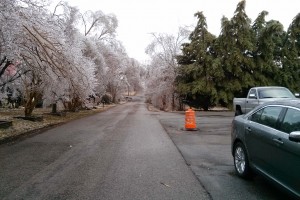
x=208, y=152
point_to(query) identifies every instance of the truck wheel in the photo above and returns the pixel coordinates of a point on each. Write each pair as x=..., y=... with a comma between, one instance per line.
x=238, y=112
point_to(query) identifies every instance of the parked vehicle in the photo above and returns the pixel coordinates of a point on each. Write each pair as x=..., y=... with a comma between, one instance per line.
x=267, y=140
x=259, y=95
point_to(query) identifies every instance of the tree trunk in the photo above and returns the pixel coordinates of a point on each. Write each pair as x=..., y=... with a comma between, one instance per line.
x=31, y=102
x=54, y=108
x=114, y=95
x=29, y=106
x=173, y=101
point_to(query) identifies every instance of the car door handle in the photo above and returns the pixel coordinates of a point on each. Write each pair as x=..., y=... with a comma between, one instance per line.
x=278, y=141
x=248, y=129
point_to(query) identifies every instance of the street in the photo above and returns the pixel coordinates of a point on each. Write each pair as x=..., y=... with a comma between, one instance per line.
x=129, y=152
x=123, y=153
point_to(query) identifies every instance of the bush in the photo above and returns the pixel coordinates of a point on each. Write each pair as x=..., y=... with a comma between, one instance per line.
x=106, y=99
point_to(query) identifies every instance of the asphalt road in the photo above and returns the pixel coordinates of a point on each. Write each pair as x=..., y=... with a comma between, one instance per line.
x=129, y=152
x=123, y=153
x=208, y=152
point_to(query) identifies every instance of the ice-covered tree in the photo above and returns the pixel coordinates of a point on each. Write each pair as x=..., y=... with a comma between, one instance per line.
x=99, y=25
x=133, y=74
x=53, y=62
x=115, y=77
x=162, y=69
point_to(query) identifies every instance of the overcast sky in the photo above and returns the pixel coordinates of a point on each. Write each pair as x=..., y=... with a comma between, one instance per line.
x=138, y=18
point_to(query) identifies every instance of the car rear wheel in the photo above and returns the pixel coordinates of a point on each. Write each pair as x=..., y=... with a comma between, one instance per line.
x=241, y=162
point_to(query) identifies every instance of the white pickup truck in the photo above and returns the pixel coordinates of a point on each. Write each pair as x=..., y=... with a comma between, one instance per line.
x=259, y=95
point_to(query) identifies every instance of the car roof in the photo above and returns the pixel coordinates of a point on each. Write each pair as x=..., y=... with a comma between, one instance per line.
x=262, y=87
x=287, y=102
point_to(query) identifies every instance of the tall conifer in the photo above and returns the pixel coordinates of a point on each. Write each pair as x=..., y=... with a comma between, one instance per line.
x=196, y=79
x=234, y=48
x=289, y=75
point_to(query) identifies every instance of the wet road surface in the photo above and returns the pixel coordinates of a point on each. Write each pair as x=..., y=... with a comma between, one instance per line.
x=123, y=153
x=208, y=152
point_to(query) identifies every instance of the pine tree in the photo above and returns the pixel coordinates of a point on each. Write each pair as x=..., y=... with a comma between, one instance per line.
x=268, y=38
x=289, y=75
x=197, y=73
x=234, y=48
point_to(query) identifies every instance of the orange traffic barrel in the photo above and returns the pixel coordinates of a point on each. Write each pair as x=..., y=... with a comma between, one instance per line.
x=190, y=121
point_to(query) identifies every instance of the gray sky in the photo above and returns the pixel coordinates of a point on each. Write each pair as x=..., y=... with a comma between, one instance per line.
x=138, y=18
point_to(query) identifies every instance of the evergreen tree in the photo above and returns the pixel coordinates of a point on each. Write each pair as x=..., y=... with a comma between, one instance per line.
x=234, y=48
x=268, y=38
x=289, y=75
x=197, y=72
x=215, y=70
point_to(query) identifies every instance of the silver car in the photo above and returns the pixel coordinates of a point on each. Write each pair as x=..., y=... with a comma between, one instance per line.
x=267, y=141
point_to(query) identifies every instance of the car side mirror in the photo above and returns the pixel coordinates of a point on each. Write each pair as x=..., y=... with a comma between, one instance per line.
x=297, y=95
x=294, y=136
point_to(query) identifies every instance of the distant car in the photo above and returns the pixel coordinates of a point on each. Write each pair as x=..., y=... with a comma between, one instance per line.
x=267, y=140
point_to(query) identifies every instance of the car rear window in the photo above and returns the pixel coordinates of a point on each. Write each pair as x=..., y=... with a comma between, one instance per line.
x=274, y=93
x=291, y=121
